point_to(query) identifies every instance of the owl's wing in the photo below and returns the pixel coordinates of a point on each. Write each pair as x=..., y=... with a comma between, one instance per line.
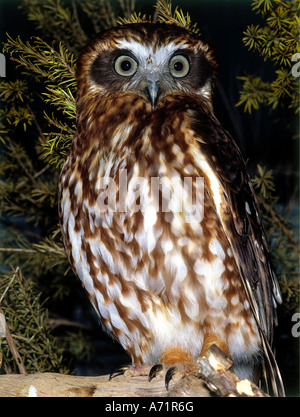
x=242, y=226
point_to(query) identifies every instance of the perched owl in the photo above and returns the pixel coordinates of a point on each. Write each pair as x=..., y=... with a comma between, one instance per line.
x=159, y=218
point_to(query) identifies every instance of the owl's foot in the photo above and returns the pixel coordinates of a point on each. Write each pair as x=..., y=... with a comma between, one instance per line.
x=180, y=370
x=132, y=370
x=174, y=363
x=153, y=371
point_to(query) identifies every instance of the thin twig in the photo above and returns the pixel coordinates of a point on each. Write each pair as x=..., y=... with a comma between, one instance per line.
x=12, y=346
x=21, y=163
x=37, y=174
x=9, y=284
x=17, y=250
x=40, y=249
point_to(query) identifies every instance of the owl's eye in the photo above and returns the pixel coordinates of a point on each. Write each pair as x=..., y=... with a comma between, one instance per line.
x=125, y=65
x=179, y=66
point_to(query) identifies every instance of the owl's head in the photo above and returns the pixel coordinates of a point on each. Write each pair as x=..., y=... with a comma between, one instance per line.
x=151, y=60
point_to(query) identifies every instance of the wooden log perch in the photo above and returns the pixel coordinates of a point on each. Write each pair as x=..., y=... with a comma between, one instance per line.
x=215, y=378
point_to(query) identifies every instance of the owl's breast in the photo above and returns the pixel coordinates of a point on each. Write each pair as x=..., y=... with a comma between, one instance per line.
x=141, y=226
x=144, y=211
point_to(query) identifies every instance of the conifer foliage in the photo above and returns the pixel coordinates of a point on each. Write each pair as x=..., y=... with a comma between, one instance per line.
x=277, y=41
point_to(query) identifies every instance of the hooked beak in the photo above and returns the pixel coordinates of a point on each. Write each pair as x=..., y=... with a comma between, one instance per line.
x=153, y=87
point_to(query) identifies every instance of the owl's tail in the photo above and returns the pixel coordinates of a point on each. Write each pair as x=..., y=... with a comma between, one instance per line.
x=271, y=376
x=271, y=372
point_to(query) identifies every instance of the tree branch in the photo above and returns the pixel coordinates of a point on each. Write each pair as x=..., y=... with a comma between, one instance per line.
x=215, y=378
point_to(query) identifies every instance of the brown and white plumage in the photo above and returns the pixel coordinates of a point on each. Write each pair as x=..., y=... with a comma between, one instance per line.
x=165, y=287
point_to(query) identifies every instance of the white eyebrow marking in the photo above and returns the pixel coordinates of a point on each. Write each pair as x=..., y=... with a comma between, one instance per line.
x=146, y=53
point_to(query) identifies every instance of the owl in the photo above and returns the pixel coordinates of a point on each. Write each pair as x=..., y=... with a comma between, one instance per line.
x=159, y=218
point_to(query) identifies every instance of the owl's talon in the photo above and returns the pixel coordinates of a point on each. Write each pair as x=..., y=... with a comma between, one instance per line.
x=151, y=370
x=117, y=372
x=169, y=375
x=154, y=370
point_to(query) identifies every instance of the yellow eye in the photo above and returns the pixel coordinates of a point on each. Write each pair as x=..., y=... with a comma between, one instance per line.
x=125, y=65
x=179, y=66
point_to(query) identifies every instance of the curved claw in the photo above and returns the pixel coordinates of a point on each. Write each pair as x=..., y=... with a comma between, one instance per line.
x=154, y=370
x=169, y=375
x=118, y=372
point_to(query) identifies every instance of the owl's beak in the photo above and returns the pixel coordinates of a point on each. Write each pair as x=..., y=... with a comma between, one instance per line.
x=153, y=87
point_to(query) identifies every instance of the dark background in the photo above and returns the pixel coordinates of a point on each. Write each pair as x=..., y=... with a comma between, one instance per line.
x=262, y=136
